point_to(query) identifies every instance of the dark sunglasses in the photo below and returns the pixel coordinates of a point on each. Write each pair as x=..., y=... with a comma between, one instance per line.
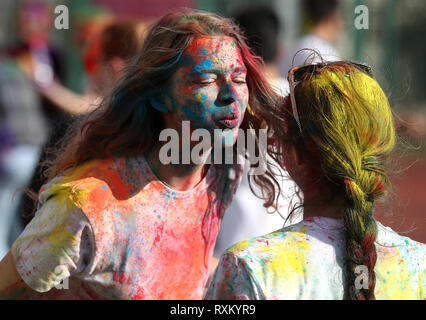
x=297, y=75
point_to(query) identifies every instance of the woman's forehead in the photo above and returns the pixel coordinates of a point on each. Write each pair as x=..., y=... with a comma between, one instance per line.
x=217, y=49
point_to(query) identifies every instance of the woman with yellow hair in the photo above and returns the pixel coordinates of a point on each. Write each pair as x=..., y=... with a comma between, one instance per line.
x=338, y=132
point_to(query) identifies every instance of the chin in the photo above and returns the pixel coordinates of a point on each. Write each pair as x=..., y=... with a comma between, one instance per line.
x=227, y=138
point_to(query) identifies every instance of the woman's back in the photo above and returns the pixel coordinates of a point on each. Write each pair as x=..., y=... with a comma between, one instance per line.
x=305, y=261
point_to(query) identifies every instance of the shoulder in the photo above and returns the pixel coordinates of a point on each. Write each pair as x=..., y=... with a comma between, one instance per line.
x=293, y=246
x=271, y=244
x=400, y=266
x=388, y=237
x=257, y=246
x=95, y=181
x=276, y=259
x=390, y=244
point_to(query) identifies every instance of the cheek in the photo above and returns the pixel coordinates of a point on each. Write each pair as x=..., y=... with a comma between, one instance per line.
x=243, y=97
x=181, y=92
x=245, y=94
x=199, y=106
x=205, y=98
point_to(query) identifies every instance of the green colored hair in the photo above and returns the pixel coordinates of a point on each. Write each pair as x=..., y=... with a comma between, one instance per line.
x=348, y=129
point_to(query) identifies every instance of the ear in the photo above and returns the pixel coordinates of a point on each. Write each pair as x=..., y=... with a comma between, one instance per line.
x=158, y=104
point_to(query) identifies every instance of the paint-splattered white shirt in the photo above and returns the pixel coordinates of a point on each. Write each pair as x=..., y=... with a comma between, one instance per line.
x=304, y=261
x=111, y=230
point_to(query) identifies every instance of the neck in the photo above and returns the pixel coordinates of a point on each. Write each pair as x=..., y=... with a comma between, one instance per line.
x=330, y=207
x=178, y=176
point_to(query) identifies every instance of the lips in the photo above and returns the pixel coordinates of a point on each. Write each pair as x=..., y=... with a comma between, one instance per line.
x=230, y=122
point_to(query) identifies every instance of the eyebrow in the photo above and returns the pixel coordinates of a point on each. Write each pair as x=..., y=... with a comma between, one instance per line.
x=200, y=70
x=241, y=69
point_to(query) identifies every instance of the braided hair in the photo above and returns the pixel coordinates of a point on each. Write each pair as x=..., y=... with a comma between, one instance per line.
x=348, y=128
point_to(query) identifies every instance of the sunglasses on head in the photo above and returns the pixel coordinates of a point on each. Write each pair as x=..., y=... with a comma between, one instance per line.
x=298, y=74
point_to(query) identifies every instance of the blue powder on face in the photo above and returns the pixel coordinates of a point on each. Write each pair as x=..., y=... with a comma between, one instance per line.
x=205, y=64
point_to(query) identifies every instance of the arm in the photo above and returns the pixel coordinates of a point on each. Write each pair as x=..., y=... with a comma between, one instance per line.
x=49, y=250
x=69, y=101
x=11, y=284
x=55, y=92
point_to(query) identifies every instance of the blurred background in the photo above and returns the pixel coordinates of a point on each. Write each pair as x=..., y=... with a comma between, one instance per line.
x=50, y=76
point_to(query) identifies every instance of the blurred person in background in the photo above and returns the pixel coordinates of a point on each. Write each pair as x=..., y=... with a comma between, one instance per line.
x=411, y=123
x=323, y=23
x=262, y=27
x=5, y=144
x=104, y=61
x=105, y=58
x=247, y=217
x=38, y=57
x=28, y=118
x=23, y=133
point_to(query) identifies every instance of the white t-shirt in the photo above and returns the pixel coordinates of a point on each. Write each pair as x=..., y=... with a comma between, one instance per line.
x=111, y=230
x=305, y=261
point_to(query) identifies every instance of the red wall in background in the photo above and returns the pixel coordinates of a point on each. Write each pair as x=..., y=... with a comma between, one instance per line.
x=144, y=8
x=408, y=216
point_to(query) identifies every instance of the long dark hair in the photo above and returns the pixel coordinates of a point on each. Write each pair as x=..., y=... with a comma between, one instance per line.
x=126, y=123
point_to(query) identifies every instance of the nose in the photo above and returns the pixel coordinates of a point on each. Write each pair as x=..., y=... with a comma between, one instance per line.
x=227, y=94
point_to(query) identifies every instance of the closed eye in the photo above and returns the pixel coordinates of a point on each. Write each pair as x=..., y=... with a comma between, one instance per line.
x=239, y=80
x=239, y=76
x=206, y=81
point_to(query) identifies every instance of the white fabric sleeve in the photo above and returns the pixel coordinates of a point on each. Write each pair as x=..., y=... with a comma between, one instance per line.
x=56, y=244
x=232, y=281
